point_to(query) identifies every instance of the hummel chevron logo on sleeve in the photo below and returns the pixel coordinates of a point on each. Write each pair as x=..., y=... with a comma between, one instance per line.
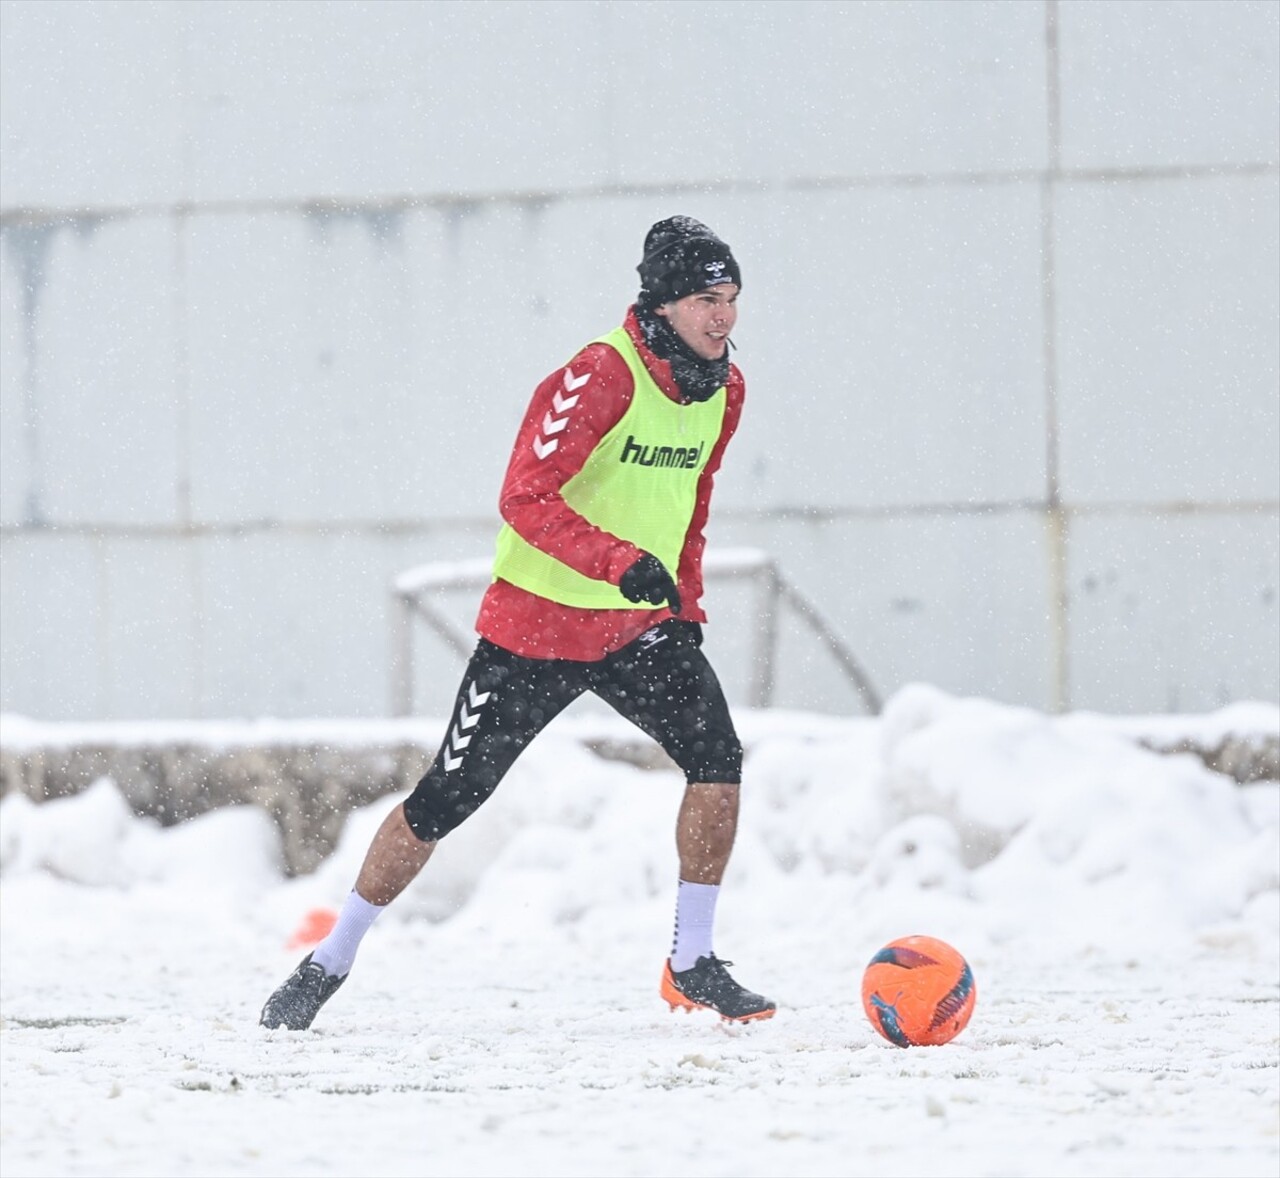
x=460, y=735
x=546, y=443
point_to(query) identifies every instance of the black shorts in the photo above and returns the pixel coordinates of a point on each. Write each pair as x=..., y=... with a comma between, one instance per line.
x=661, y=682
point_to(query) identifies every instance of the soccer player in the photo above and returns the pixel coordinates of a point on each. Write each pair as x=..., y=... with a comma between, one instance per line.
x=597, y=587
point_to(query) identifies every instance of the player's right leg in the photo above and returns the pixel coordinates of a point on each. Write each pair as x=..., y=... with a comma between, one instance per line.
x=503, y=703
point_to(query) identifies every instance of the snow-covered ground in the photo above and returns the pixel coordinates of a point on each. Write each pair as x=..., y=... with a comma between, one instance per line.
x=1120, y=910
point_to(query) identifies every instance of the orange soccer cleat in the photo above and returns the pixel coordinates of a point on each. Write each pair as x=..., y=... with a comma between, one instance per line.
x=708, y=986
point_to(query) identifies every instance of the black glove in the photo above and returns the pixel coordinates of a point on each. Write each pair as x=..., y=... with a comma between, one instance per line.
x=647, y=580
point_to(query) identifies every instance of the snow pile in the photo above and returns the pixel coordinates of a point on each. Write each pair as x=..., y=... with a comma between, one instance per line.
x=1118, y=907
x=973, y=821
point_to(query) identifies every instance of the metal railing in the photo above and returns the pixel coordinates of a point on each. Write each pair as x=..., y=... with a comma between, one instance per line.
x=413, y=593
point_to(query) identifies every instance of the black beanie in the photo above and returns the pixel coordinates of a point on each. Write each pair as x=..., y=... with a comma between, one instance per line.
x=682, y=256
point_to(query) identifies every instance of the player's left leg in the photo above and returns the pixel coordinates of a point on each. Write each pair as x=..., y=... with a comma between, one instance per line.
x=664, y=685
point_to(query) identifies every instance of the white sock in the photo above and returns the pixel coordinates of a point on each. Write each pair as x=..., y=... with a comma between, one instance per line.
x=695, y=920
x=337, y=951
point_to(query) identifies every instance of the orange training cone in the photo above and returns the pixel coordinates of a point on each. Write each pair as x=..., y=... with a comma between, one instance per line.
x=315, y=926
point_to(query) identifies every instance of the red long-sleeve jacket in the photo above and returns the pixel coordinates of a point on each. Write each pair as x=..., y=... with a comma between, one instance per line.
x=571, y=410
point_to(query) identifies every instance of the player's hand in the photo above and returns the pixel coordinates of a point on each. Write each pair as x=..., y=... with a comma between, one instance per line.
x=647, y=580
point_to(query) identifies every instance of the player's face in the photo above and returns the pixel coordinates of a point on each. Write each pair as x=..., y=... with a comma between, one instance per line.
x=704, y=320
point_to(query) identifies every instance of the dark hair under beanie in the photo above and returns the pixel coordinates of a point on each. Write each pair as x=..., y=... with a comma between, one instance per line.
x=682, y=256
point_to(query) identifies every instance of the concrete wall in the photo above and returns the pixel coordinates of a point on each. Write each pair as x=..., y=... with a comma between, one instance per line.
x=277, y=280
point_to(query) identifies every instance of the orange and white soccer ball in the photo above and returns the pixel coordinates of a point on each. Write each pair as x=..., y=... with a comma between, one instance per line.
x=918, y=992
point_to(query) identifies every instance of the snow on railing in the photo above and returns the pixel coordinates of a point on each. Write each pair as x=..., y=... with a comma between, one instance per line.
x=413, y=589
